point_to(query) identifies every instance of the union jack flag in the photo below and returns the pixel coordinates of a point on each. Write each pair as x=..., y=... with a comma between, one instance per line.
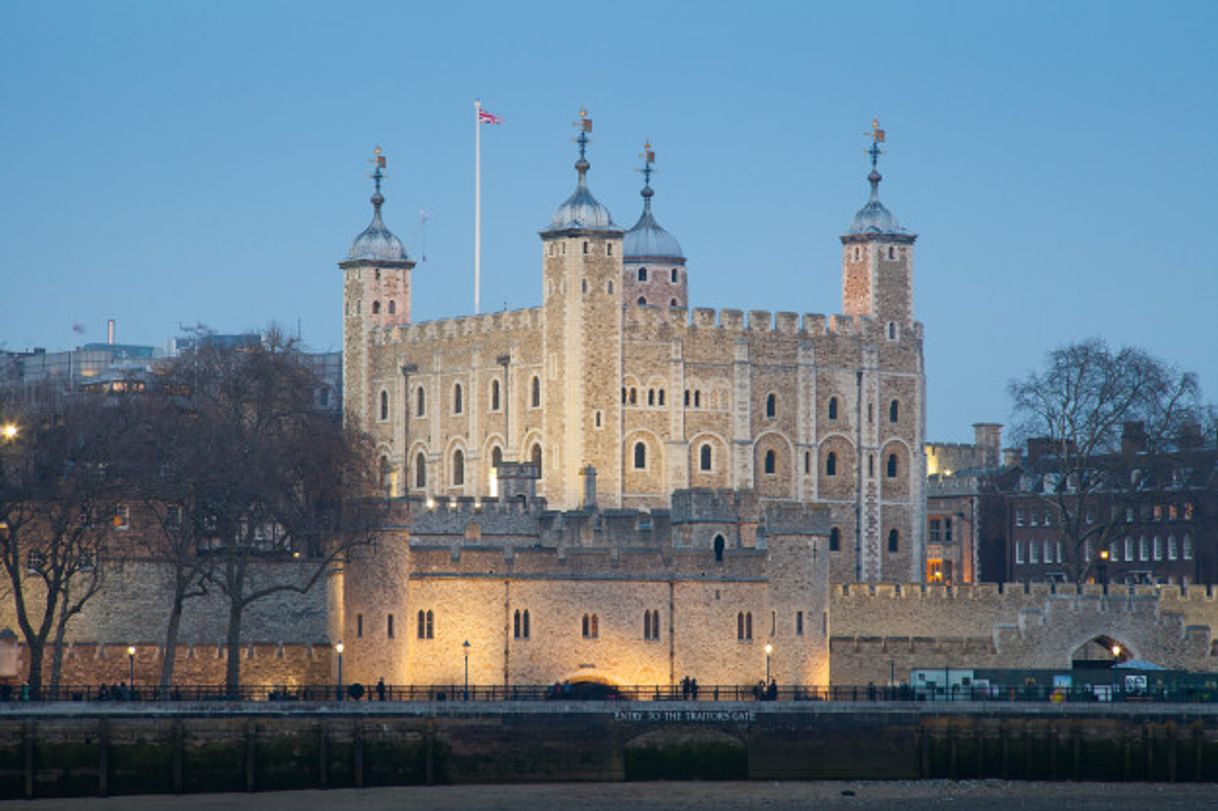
x=485, y=117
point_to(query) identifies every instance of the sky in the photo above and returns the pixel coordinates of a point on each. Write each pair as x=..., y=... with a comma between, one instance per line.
x=169, y=164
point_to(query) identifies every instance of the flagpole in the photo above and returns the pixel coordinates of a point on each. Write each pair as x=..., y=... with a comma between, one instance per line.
x=477, y=201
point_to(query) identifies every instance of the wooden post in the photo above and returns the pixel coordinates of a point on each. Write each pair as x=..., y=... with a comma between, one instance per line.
x=1077, y=744
x=1172, y=743
x=429, y=747
x=323, y=754
x=358, y=764
x=1004, y=731
x=250, y=765
x=103, y=757
x=27, y=742
x=1198, y=752
x=179, y=747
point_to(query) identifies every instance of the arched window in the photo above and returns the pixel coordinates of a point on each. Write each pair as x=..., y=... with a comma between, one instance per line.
x=651, y=397
x=704, y=457
x=458, y=405
x=835, y=540
x=697, y=398
x=458, y=468
x=536, y=392
x=420, y=471
x=674, y=275
x=719, y=545
x=892, y=330
x=422, y=624
x=494, y=395
x=640, y=456
x=739, y=624
x=393, y=307
x=748, y=624
x=892, y=465
x=894, y=540
x=590, y=626
x=536, y=457
x=832, y=408
x=642, y=301
x=831, y=464
x=496, y=457
x=672, y=302
x=771, y=406
x=420, y=403
x=376, y=308
x=516, y=624
x=642, y=274
x=526, y=623
x=770, y=462
x=894, y=411
x=427, y=626
x=520, y=624
x=660, y=396
x=807, y=461
x=384, y=405
x=634, y=396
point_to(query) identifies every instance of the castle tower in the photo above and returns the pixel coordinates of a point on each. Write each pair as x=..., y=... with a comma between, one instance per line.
x=376, y=294
x=582, y=342
x=653, y=265
x=877, y=258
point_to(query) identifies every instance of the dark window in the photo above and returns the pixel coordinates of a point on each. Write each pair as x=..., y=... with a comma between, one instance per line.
x=687, y=398
x=458, y=405
x=740, y=625
x=770, y=462
x=697, y=399
x=389, y=626
x=642, y=274
x=494, y=395
x=393, y=307
x=799, y=623
x=704, y=457
x=427, y=629
x=894, y=411
x=590, y=626
x=634, y=396
x=640, y=456
x=892, y=466
x=516, y=624
x=458, y=468
x=642, y=301
x=585, y=247
x=431, y=627
x=894, y=540
x=420, y=471
x=359, y=626
x=832, y=408
x=536, y=392
x=672, y=302
x=420, y=403
x=536, y=456
x=674, y=275
x=376, y=308
x=660, y=396
x=651, y=397
x=771, y=406
x=807, y=462
x=719, y=544
x=748, y=624
x=831, y=464
x=835, y=540
x=892, y=331
x=526, y=623
x=384, y=405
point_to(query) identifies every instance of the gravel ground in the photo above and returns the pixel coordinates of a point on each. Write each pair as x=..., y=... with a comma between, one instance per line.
x=993, y=795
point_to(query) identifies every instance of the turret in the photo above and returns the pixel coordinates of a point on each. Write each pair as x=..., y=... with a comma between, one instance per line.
x=653, y=265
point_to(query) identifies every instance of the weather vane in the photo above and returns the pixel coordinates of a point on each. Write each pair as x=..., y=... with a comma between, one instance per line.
x=649, y=157
x=585, y=126
x=877, y=138
x=378, y=160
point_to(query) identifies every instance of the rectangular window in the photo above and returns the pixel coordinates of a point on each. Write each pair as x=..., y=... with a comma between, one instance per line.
x=1173, y=551
x=1048, y=552
x=1173, y=512
x=947, y=530
x=935, y=530
x=1034, y=519
x=1019, y=518
x=1048, y=518
x=799, y=623
x=1090, y=517
x=359, y=626
x=1143, y=548
x=1129, y=549
x=1158, y=549
x=1129, y=515
x=1087, y=551
x=1188, y=548
x=122, y=517
x=1114, y=550
x=389, y=627
x=1158, y=512
x=1019, y=551
x=1033, y=552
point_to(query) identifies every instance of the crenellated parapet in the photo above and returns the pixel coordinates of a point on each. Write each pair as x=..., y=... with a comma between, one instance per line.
x=489, y=324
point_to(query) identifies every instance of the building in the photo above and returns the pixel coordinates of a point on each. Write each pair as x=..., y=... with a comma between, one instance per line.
x=614, y=371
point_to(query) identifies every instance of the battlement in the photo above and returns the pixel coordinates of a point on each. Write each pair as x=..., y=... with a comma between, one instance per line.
x=735, y=322
x=1017, y=593
x=450, y=328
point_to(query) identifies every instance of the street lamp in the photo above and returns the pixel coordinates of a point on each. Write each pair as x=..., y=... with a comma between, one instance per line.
x=466, y=647
x=9, y=431
x=131, y=669
x=337, y=649
x=769, y=649
x=1103, y=567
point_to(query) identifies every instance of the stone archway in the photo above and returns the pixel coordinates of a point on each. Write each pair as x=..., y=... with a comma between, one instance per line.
x=1101, y=651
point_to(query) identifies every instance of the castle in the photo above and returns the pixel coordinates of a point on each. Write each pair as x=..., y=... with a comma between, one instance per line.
x=614, y=372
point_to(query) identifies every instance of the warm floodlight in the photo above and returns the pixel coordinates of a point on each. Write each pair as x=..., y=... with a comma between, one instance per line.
x=9, y=431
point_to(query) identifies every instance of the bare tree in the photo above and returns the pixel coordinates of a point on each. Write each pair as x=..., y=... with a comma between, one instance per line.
x=58, y=506
x=1082, y=403
x=274, y=491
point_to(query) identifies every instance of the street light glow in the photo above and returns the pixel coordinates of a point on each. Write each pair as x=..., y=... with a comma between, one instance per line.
x=768, y=649
x=131, y=650
x=339, y=648
x=9, y=431
x=1116, y=650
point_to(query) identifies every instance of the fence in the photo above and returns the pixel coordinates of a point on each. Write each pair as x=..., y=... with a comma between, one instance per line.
x=591, y=691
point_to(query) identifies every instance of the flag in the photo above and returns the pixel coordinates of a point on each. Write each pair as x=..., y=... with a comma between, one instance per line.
x=485, y=117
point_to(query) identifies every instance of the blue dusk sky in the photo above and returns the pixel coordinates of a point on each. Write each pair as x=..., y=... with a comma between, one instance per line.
x=181, y=162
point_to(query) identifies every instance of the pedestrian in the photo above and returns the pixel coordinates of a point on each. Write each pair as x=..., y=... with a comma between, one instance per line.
x=685, y=688
x=772, y=693
x=693, y=689
x=380, y=688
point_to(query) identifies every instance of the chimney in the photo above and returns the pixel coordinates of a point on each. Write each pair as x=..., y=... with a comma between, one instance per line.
x=1037, y=447
x=1010, y=457
x=1133, y=438
x=589, y=500
x=1190, y=435
x=987, y=437
x=110, y=332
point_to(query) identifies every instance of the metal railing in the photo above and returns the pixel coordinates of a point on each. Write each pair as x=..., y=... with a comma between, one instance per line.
x=585, y=691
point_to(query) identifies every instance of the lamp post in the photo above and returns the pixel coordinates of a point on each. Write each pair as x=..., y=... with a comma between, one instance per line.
x=131, y=669
x=339, y=649
x=769, y=649
x=465, y=646
x=1104, y=569
x=9, y=431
